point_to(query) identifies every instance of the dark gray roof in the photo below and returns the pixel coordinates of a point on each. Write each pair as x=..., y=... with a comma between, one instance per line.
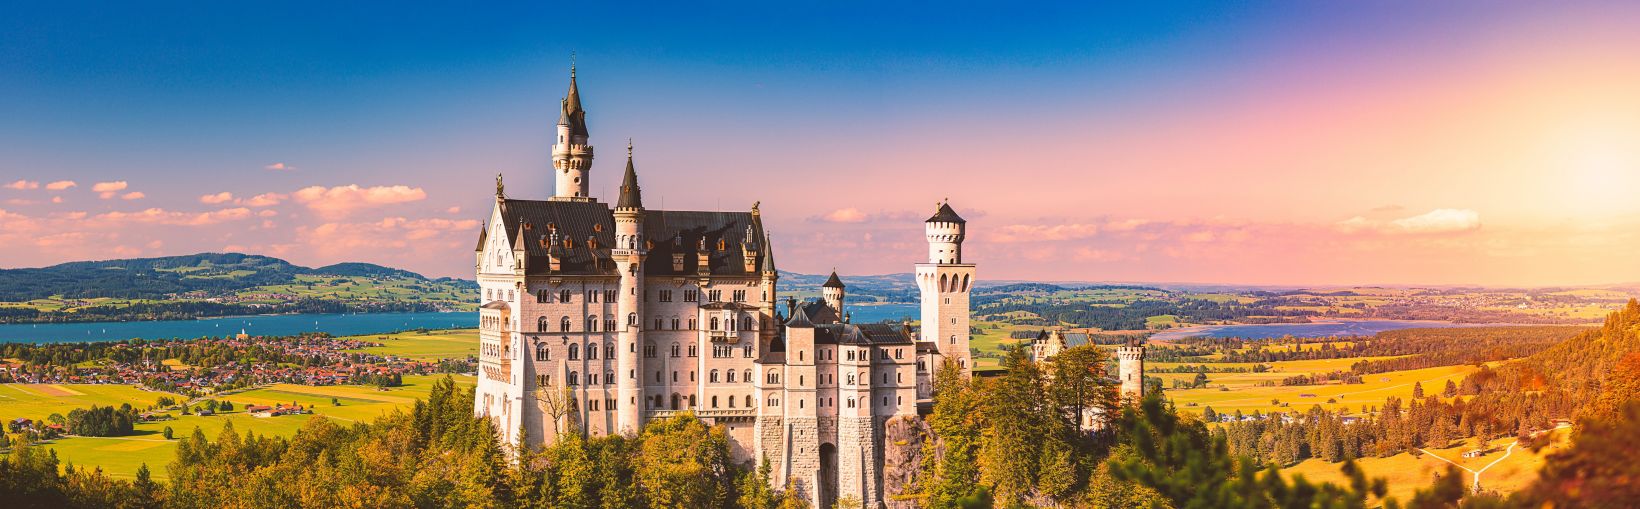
x=667, y=232
x=833, y=282
x=945, y=215
x=818, y=311
x=862, y=334
x=483, y=235
x=572, y=113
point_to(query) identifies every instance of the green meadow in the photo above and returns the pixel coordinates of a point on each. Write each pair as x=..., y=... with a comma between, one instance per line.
x=1406, y=473
x=121, y=456
x=427, y=346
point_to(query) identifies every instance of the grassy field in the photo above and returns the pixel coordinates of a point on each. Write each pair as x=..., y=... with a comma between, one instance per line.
x=1407, y=473
x=1246, y=395
x=120, y=456
x=432, y=345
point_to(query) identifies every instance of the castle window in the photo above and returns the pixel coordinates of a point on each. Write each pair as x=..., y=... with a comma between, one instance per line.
x=592, y=296
x=574, y=352
x=714, y=377
x=632, y=319
x=885, y=400
x=739, y=295
x=540, y=380
x=659, y=323
x=692, y=323
x=691, y=376
x=800, y=403
x=542, y=353
x=542, y=297
x=730, y=376
x=851, y=402
x=885, y=378
x=746, y=323
x=541, y=325
x=731, y=401
x=509, y=295
x=691, y=400
x=609, y=323
x=748, y=376
x=899, y=377
x=592, y=323
x=657, y=377
x=649, y=351
x=573, y=376
x=564, y=296
x=694, y=351
x=851, y=355
x=610, y=295
x=675, y=400
x=674, y=323
x=748, y=401
x=714, y=295
x=746, y=351
x=666, y=295
x=899, y=353
x=851, y=378
x=953, y=339
x=714, y=323
x=799, y=380
x=674, y=352
x=691, y=296
x=714, y=401
x=563, y=324
x=592, y=352
x=773, y=378
x=609, y=351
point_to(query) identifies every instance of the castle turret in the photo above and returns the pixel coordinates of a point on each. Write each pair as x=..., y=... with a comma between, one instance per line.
x=1130, y=370
x=628, y=254
x=832, y=291
x=571, y=153
x=945, y=282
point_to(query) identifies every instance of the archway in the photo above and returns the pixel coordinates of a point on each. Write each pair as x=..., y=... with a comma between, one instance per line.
x=828, y=475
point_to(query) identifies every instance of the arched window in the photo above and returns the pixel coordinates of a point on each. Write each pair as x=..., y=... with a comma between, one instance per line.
x=592, y=323
x=632, y=319
x=731, y=401
x=748, y=376
x=574, y=351
x=542, y=353
x=541, y=324
x=563, y=324
x=659, y=322
x=675, y=349
x=714, y=401
x=563, y=296
x=592, y=352
x=851, y=402
x=676, y=399
x=692, y=324
x=714, y=376
x=574, y=377
x=953, y=339
x=609, y=323
x=730, y=323
x=851, y=378
x=674, y=323
x=748, y=401
x=731, y=376
x=649, y=350
x=714, y=323
x=773, y=378
x=746, y=323
x=691, y=400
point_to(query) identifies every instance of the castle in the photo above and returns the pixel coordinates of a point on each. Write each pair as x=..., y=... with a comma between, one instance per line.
x=598, y=319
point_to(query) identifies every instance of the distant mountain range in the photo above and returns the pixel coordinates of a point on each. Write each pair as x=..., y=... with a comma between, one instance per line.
x=157, y=278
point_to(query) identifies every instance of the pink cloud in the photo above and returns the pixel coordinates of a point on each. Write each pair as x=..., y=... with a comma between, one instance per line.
x=213, y=199
x=266, y=199
x=848, y=215
x=56, y=199
x=453, y=210
x=341, y=200
x=24, y=184
x=61, y=185
x=1036, y=233
x=107, y=190
x=278, y=167
x=133, y=195
x=161, y=216
x=1438, y=221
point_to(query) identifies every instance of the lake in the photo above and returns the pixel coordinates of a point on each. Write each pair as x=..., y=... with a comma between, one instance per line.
x=287, y=325
x=1303, y=330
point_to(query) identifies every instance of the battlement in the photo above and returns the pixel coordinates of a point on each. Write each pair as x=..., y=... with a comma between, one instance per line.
x=572, y=149
x=1130, y=353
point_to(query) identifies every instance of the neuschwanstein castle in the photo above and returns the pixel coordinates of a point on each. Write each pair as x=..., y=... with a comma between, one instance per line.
x=599, y=318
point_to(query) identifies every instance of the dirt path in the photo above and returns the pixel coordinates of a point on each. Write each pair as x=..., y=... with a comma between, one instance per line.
x=1477, y=483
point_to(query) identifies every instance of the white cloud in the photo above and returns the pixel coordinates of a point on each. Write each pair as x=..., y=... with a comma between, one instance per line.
x=340, y=200
x=213, y=199
x=61, y=185
x=161, y=216
x=848, y=215
x=24, y=184
x=1040, y=232
x=1433, y=222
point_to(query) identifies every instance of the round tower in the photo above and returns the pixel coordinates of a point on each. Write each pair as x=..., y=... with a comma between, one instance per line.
x=629, y=254
x=1130, y=369
x=945, y=232
x=833, y=292
x=571, y=154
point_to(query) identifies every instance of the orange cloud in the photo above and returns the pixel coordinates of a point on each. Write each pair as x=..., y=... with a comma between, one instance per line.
x=266, y=199
x=213, y=199
x=61, y=185
x=24, y=184
x=107, y=190
x=161, y=216
x=341, y=200
x=133, y=195
x=1438, y=221
x=278, y=167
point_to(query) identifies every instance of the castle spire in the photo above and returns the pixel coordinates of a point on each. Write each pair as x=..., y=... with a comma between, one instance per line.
x=631, y=196
x=576, y=116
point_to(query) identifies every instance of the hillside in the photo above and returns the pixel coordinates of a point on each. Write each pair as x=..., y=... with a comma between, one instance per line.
x=216, y=284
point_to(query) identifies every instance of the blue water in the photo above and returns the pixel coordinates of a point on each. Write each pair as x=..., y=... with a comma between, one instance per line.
x=286, y=325
x=1301, y=330
x=264, y=325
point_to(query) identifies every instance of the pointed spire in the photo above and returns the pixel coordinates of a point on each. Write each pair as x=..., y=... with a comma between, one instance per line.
x=571, y=113
x=631, y=197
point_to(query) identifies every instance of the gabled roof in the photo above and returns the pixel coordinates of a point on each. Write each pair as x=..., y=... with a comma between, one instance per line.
x=945, y=215
x=669, y=232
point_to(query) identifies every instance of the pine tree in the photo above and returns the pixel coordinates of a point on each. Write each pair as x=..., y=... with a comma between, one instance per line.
x=1417, y=390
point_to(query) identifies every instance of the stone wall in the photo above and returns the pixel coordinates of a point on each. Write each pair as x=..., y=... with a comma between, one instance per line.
x=903, y=440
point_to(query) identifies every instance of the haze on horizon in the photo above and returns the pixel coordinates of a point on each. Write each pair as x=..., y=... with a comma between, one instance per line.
x=1261, y=144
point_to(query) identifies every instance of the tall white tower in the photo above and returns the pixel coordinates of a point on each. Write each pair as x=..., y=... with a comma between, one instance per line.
x=1130, y=368
x=945, y=283
x=629, y=254
x=832, y=291
x=571, y=154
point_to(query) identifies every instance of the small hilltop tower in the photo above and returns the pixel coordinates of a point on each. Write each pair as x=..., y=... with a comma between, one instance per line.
x=833, y=291
x=1130, y=369
x=945, y=282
